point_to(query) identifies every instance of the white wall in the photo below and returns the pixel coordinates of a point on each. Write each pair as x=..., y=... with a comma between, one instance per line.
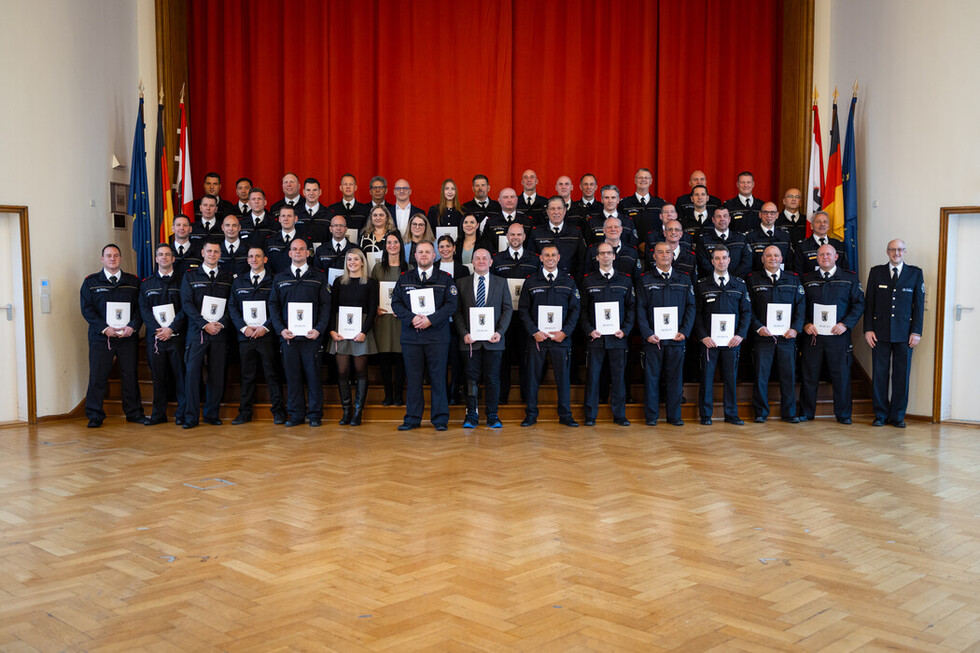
x=69, y=70
x=917, y=132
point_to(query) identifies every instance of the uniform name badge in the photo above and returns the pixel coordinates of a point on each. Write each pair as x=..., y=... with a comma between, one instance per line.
x=481, y=323
x=515, y=286
x=254, y=313
x=385, y=291
x=423, y=301
x=449, y=267
x=164, y=314
x=117, y=314
x=665, y=322
x=502, y=243
x=550, y=318
x=372, y=260
x=777, y=318
x=300, y=317
x=722, y=328
x=452, y=232
x=213, y=308
x=349, y=322
x=607, y=317
x=824, y=318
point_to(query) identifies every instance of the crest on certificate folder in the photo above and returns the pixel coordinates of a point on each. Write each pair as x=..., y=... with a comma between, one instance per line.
x=350, y=318
x=299, y=313
x=214, y=309
x=118, y=313
x=666, y=319
x=608, y=313
x=391, y=291
x=551, y=317
x=163, y=316
x=483, y=320
x=421, y=301
x=254, y=313
x=823, y=315
x=723, y=325
x=779, y=314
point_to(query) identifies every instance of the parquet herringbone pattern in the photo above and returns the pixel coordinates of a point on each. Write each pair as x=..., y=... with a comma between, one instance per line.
x=812, y=537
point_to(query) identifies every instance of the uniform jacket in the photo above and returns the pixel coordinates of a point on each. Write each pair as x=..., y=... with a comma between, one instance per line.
x=445, y=296
x=653, y=292
x=96, y=291
x=538, y=291
x=894, y=312
x=596, y=288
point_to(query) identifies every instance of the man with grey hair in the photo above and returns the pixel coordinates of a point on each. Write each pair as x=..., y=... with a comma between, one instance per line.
x=378, y=188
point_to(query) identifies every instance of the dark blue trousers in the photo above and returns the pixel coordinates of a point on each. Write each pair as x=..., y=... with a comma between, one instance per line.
x=216, y=352
x=784, y=353
x=666, y=363
x=100, y=356
x=483, y=365
x=560, y=362
x=419, y=358
x=301, y=362
x=836, y=351
x=166, y=361
x=617, y=391
x=710, y=359
x=898, y=357
x=263, y=349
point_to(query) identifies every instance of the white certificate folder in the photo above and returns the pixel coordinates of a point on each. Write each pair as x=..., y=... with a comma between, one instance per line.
x=550, y=318
x=665, y=322
x=824, y=318
x=607, y=317
x=481, y=323
x=722, y=328
x=300, y=318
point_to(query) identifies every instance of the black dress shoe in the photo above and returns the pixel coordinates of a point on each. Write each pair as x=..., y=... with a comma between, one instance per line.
x=188, y=425
x=386, y=401
x=178, y=422
x=94, y=423
x=153, y=421
x=651, y=422
x=791, y=420
x=844, y=420
x=529, y=421
x=294, y=422
x=803, y=418
x=213, y=421
x=760, y=420
x=878, y=422
x=241, y=419
x=899, y=424
x=142, y=419
x=407, y=426
x=622, y=421
x=278, y=418
x=706, y=421
x=589, y=422
x=734, y=420
x=314, y=423
x=442, y=427
x=568, y=421
x=676, y=422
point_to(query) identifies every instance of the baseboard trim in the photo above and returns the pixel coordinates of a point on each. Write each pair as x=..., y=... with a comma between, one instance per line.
x=76, y=412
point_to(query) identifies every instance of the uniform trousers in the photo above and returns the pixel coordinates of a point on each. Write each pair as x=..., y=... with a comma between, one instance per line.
x=663, y=363
x=710, y=359
x=100, y=356
x=784, y=352
x=594, y=358
x=483, y=364
x=166, y=361
x=216, y=352
x=263, y=349
x=560, y=362
x=513, y=355
x=897, y=356
x=419, y=359
x=301, y=361
x=836, y=351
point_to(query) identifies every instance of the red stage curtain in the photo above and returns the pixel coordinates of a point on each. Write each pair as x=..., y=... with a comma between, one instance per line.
x=431, y=89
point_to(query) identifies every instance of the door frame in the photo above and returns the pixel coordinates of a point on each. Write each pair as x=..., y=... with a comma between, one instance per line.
x=944, y=242
x=28, y=312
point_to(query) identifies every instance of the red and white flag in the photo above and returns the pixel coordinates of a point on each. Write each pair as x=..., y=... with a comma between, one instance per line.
x=815, y=183
x=184, y=186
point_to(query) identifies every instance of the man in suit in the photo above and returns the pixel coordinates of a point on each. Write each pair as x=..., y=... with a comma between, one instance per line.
x=206, y=334
x=425, y=335
x=791, y=218
x=301, y=352
x=606, y=285
x=744, y=208
x=290, y=191
x=404, y=209
x=829, y=290
x=256, y=340
x=378, y=187
x=514, y=262
x=806, y=252
x=893, y=320
x=529, y=203
x=664, y=286
x=549, y=333
x=483, y=290
x=121, y=341
x=354, y=212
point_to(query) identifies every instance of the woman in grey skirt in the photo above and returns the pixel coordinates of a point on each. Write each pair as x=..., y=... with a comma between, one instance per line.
x=387, y=328
x=353, y=289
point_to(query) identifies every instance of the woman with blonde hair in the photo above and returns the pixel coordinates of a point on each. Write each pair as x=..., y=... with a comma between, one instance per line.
x=449, y=211
x=419, y=229
x=379, y=223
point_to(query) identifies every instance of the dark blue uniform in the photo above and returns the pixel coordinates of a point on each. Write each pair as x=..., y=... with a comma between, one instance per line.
x=265, y=348
x=595, y=230
x=95, y=293
x=596, y=288
x=805, y=255
x=236, y=263
x=644, y=216
x=842, y=290
x=743, y=218
x=195, y=286
x=762, y=292
x=740, y=260
x=759, y=239
x=301, y=356
x=505, y=266
x=189, y=259
x=166, y=357
x=497, y=226
x=277, y=250
x=684, y=260
x=571, y=246
x=257, y=230
x=326, y=255
x=627, y=259
x=893, y=311
x=537, y=292
x=426, y=349
x=664, y=360
x=712, y=300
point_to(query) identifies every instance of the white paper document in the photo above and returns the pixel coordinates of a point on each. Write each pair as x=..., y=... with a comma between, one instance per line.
x=117, y=314
x=448, y=267
x=607, y=317
x=213, y=308
x=164, y=314
x=333, y=273
x=423, y=301
x=515, y=286
x=452, y=231
x=349, y=322
x=824, y=318
x=353, y=235
x=469, y=268
x=372, y=260
x=502, y=243
x=300, y=317
x=481, y=322
x=778, y=318
x=254, y=313
x=385, y=290
x=722, y=328
x=665, y=324
x=550, y=318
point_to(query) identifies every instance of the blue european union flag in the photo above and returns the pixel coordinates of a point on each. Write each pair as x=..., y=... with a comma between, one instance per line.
x=849, y=167
x=139, y=202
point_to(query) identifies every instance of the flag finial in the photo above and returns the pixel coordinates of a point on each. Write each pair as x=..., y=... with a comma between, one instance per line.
x=161, y=93
x=855, y=87
x=815, y=95
x=182, y=92
x=141, y=87
x=835, y=95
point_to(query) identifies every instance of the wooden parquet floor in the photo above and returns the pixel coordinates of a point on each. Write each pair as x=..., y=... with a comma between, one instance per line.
x=814, y=537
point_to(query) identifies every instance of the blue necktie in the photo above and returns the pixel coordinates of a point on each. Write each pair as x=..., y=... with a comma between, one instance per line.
x=481, y=292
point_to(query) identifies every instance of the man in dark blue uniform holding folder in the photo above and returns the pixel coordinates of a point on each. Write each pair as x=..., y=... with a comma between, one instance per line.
x=893, y=316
